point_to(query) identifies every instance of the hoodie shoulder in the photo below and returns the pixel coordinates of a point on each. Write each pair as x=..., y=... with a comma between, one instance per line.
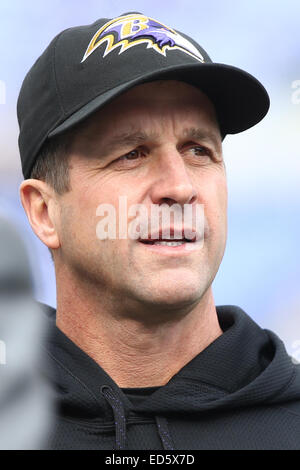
x=290, y=397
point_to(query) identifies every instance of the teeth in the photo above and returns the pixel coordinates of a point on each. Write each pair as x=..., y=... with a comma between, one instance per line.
x=169, y=243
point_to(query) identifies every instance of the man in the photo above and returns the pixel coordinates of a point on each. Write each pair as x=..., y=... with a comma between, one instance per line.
x=130, y=109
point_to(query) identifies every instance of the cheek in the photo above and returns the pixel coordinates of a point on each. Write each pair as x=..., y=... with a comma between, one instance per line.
x=222, y=197
x=85, y=212
x=215, y=205
x=78, y=225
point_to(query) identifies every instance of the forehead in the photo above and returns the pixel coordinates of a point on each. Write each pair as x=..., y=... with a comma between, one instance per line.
x=149, y=103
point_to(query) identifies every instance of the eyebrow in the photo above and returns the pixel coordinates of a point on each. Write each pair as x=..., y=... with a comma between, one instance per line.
x=126, y=139
x=203, y=135
x=140, y=137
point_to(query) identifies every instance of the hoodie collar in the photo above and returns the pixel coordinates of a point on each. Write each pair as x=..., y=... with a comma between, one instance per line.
x=244, y=365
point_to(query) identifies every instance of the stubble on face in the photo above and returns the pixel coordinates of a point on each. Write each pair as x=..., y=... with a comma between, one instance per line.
x=122, y=270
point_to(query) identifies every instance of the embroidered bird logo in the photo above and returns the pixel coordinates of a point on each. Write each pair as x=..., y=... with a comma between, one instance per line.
x=127, y=31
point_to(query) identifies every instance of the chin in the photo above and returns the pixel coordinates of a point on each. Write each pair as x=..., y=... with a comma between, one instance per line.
x=174, y=295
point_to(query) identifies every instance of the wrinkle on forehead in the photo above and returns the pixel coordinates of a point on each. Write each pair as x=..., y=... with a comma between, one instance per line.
x=141, y=113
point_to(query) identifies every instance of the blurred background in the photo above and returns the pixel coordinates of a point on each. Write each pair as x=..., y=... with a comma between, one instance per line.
x=261, y=268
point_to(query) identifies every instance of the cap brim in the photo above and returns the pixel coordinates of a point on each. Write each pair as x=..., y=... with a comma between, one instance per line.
x=240, y=99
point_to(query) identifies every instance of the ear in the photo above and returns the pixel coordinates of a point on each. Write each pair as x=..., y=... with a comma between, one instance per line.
x=40, y=205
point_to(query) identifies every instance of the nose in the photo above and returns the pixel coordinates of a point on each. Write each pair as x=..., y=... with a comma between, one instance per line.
x=172, y=183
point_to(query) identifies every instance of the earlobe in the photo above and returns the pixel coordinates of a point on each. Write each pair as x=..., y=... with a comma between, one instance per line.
x=38, y=202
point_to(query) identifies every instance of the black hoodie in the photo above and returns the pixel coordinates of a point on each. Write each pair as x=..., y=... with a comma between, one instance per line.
x=241, y=392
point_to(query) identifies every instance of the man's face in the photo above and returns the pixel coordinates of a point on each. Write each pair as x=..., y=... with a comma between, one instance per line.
x=158, y=143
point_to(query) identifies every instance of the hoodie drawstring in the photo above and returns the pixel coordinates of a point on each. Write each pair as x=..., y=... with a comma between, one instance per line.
x=119, y=415
x=164, y=433
x=120, y=421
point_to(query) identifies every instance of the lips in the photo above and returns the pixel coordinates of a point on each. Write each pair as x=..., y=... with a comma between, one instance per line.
x=168, y=240
x=173, y=236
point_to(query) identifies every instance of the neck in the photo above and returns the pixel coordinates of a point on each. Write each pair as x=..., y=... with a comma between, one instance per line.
x=135, y=352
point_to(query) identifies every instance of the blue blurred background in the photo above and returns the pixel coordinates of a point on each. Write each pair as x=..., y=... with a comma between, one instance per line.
x=260, y=271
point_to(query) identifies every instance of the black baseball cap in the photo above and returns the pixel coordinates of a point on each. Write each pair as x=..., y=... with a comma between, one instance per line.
x=85, y=67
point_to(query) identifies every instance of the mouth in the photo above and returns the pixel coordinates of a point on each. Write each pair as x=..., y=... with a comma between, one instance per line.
x=172, y=241
x=172, y=246
x=168, y=242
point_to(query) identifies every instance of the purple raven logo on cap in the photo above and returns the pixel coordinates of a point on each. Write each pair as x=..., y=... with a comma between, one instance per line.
x=129, y=30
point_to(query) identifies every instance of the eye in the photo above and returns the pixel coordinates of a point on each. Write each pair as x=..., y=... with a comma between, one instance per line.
x=132, y=155
x=200, y=154
x=200, y=151
x=130, y=159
